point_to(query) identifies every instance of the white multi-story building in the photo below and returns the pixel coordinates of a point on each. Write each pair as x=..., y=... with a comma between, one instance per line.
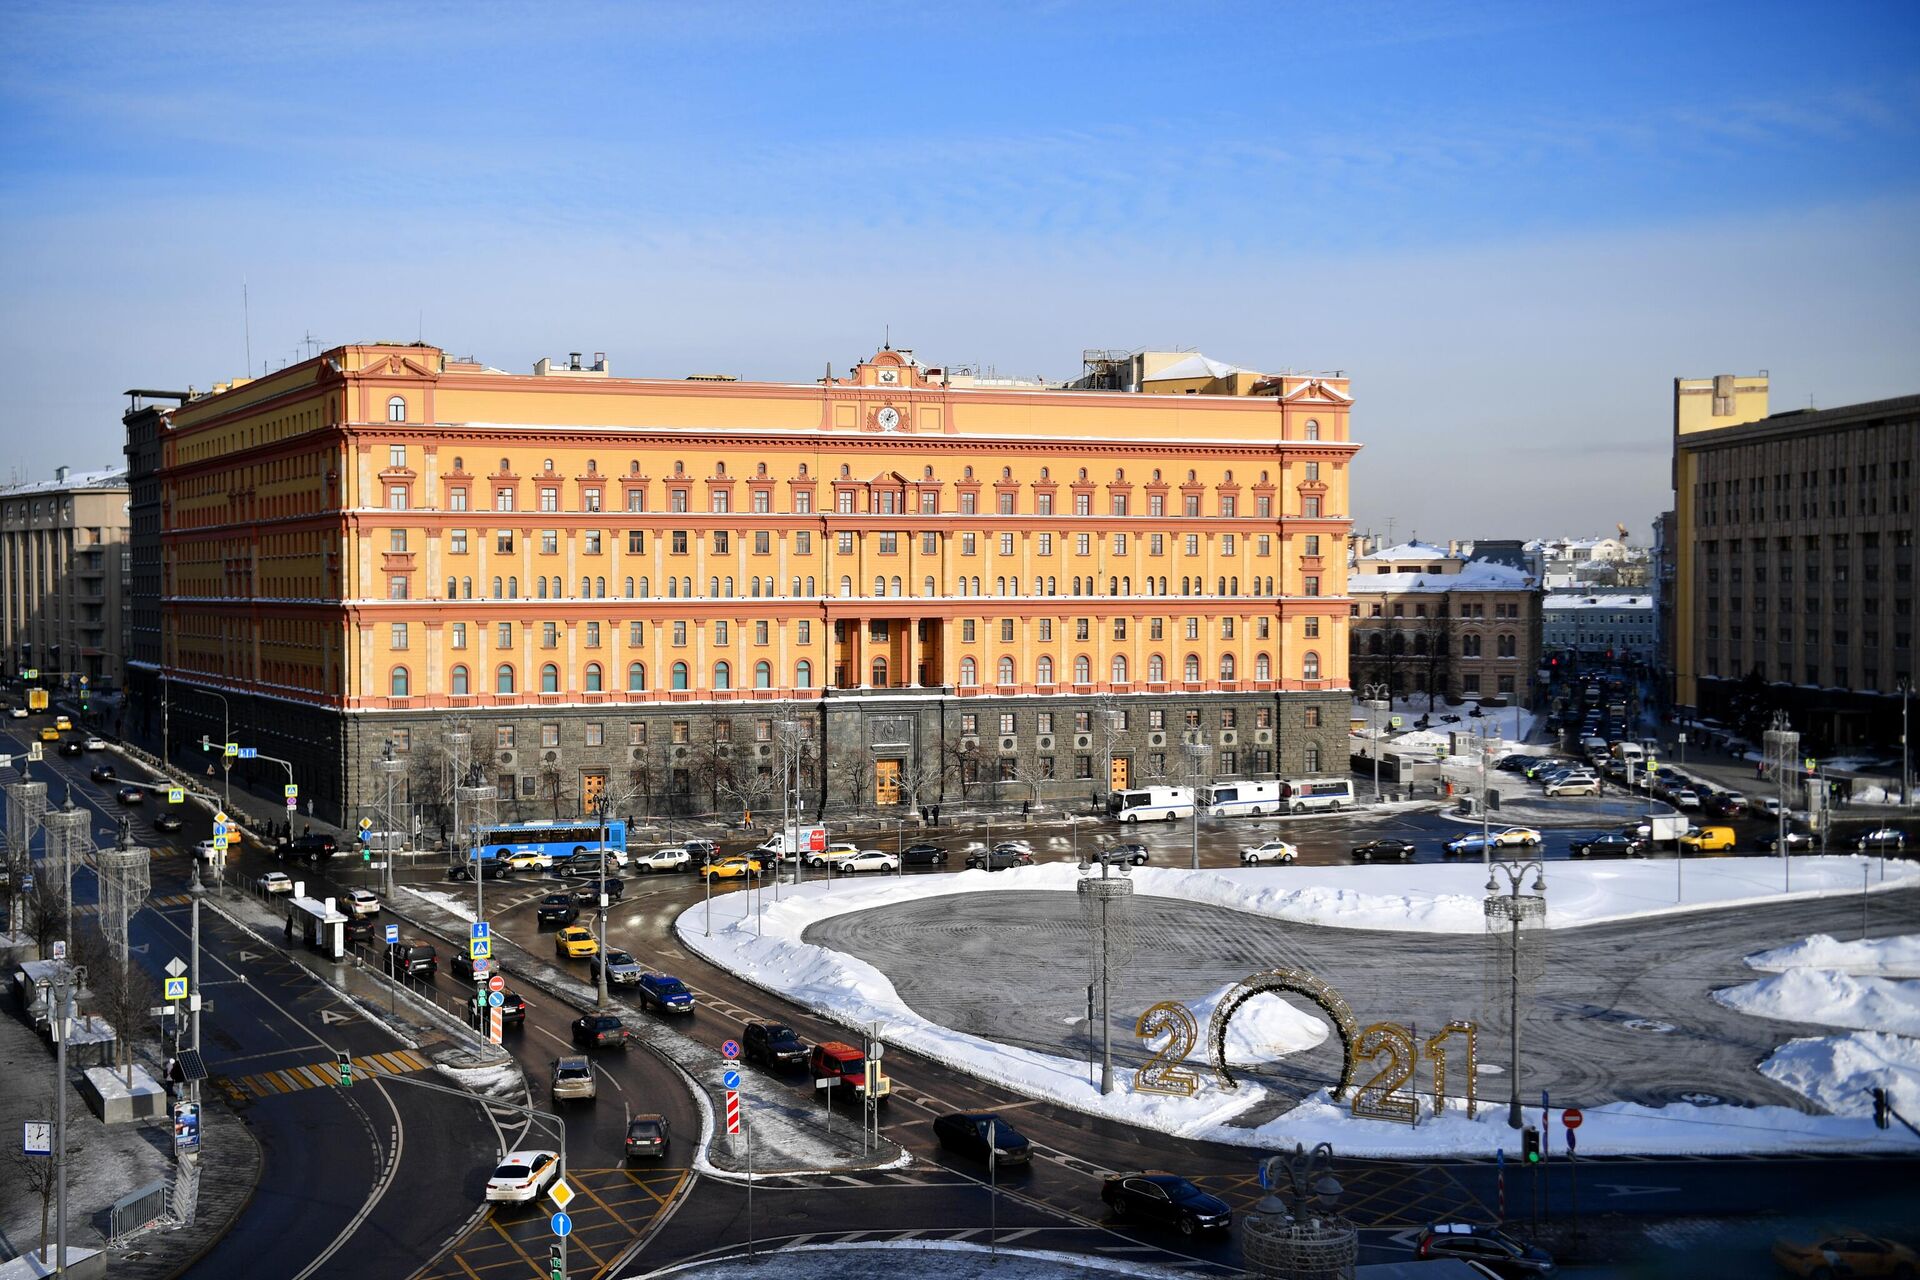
x=1602, y=626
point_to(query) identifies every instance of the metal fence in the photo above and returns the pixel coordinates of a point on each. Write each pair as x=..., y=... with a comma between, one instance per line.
x=139, y=1209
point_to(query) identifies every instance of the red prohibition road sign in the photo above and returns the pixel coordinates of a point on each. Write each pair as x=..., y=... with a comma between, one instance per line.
x=1571, y=1117
x=496, y=983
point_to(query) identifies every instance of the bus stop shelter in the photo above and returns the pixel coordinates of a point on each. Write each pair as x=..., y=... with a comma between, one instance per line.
x=319, y=924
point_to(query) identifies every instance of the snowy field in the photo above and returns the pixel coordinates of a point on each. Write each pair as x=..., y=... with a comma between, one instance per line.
x=1435, y=899
x=931, y=1259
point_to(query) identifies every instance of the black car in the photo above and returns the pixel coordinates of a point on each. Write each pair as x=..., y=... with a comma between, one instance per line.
x=1492, y=1248
x=72, y=747
x=313, y=847
x=490, y=869
x=460, y=965
x=415, y=959
x=774, y=1045
x=167, y=820
x=999, y=859
x=923, y=855
x=556, y=908
x=102, y=773
x=600, y=1031
x=513, y=1009
x=131, y=795
x=647, y=1136
x=965, y=1133
x=1399, y=850
x=359, y=929
x=1606, y=844
x=587, y=867
x=1165, y=1199
x=588, y=894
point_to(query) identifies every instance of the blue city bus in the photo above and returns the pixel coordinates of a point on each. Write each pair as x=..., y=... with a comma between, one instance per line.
x=551, y=841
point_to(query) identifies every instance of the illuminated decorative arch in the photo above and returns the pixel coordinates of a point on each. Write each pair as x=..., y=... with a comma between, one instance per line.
x=1273, y=982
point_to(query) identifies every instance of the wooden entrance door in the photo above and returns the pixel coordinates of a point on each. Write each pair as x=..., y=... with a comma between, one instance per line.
x=1117, y=780
x=886, y=782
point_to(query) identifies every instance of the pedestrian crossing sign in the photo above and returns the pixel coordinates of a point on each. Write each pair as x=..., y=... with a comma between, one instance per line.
x=292, y=790
x=176, y=795
x=176, y=988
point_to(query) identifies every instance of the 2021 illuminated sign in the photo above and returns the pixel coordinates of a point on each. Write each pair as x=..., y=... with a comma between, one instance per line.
x=1382, y=1097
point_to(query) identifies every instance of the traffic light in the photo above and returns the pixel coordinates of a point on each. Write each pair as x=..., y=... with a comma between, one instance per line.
x=1882, y=1109
x=346, y=1070
x=556, y=1262
x=205, y=743
x=366, y=853
x=1530, y=1144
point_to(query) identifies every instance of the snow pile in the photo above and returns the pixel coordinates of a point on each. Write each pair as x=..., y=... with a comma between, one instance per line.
x=1263, y=1028
x=1838, y=1072
x=1897, y=956
x=492, y=1080
x=1830, y=999
x=445, y=901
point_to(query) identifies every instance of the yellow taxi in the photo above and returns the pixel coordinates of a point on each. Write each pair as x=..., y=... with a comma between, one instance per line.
x=529, y=860
x=731, y=868
x=575, y=942
x=62, y=723
x=49, y=734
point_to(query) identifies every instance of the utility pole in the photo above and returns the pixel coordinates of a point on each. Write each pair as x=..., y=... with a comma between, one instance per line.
x=1197, y=753
x=600, y=807
x=1377, y=701
x=1513, y=909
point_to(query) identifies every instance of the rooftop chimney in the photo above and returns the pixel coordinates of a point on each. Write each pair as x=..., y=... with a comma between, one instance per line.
x=60, y=474
x=573, y=359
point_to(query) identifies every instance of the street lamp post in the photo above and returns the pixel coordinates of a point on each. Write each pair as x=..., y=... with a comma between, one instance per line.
x=1197, y=753
x=1904, y=687
x=1515, y=872
x=1377, y=701
x=600, y=812
x=226, y=736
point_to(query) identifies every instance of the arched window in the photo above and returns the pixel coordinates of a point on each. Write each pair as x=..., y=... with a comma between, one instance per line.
x=879, y=584
x=1193, y=666
x=466, y=588
x=753, y=587
x=722, y=676
x=1376, y=643
x=803, y=675
x=1262, y=667
x=549, y=678
x=646, y=588
x=673, y=588
x=397, y=409
x=397, y=682
x=453, y=587
x=679, y=675
x=999, y=586
x=458, y=680
x=1082, y=669
x=1043, y=670
x=540, y=588
x=1006, y=671
x=586, y=588
x=599, y=588
x=927, y=587
x=497, y=587
x=810, y=590
x=963, y=586
x=713, y=588
x=1313, y=429
x=796, y=585
x=503, y=678
x=637, y=677
x=726, y=586
x=846, y=585
x=1227, y=667
x=1156, y=667
x=1119, y=668
x=594, y=684
x=968, y=672
x=893, y=585
x=513, y=587
x=763, y=675
x=1052, y=589
x=629, y=588
x=879, y=673
x=1310, y=666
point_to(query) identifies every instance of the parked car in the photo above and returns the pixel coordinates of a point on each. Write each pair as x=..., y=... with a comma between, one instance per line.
x=168, y=820
x=622, y=969
x=600, y=1031
x=362, y=902
x=588, y=893
x=1399, y=850
x=1504, y=1255
x=1132, y=854
x=967, y=1133
x=1686, y=798
x=701, y=848
x=737, y=867
x=276, y=882
x=18, y=713
x=1574, y=785
x=573, y=1080
x=1165, y=1199
x=556, y=908
x=485, y=868
x=663, y=993
x=647, y=1136
x=415, y=959
x=998, y=859
x=871, y=860
x=1843, y=1252
x=102, y=773
x=924, y=855
x=312, y=847
x=522, y=1175
x=1271, y=851
x=575, y=942
x=669, y=859
x=360, y=929
x=773, y=1045
x=1884, y=840
x=1605, y=844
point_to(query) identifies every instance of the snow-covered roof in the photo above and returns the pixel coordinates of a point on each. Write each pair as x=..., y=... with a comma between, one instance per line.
x=1414, y=551
x=98, y=478
x=1582, y=600
x=1477, y=575
x=1195, y=366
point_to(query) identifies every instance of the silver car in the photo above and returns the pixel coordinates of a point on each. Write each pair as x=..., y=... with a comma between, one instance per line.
x=573, y=1080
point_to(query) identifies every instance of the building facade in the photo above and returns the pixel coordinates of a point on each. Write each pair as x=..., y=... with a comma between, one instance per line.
x=1604, y=628
x=1429, y=620
x=627, y=587
x=1793, y=558
x=145, y=424
x=62, y=571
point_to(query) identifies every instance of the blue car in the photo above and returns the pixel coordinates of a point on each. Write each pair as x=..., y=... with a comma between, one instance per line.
x=665, y=994
x=1464, y=844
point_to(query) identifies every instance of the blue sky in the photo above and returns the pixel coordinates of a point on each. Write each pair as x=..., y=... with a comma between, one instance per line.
x=1512, y=225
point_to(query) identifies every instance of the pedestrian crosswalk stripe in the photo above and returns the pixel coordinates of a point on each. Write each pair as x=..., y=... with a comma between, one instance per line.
x=321, y=1075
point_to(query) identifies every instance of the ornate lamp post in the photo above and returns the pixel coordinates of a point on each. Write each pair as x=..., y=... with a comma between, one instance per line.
x=1294, y=1230
x=1377, y=701
x=1197, y=753
x=1513, y=906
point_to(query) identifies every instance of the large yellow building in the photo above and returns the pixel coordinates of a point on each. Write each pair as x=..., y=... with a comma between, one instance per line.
x=623, y=584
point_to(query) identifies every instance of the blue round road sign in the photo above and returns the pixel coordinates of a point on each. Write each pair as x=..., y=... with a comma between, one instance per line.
x=730, y=1079
x=731, y=1049
x=495, y=999
x=562, y=1225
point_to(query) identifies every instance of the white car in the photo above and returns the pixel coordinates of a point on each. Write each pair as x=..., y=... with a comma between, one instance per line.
x=523, y=1175
x=1574, y=787
x=529, y=860
x=96, y=744
x=1686, y=798
x=1526, y=836
x=675, y=859
x=834, y=853
x=870, y=860
x=18, y=713
x=363, y=902
x=276, y=882
x=1271, y=851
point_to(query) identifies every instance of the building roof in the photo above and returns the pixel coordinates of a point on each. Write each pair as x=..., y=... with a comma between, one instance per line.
x=1792, y=421
x=1478, y=575
x=1583, y=600
x=98, y=478
x=1414, y=551
x=1196, y=366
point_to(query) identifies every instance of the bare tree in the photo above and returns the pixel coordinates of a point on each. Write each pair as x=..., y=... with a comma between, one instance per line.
x=742, y=786
x=961, y=759
x=1031, y=774
x=1430, y=647
x=852, y=768
x=919, y=780
x=44, y=911
x=40, y=1176
x=553, y=786
x=120, y=992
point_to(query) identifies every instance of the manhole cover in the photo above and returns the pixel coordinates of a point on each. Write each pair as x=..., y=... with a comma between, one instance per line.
x=1649, y=1024
x=1702, y=1099
x=797, y=1215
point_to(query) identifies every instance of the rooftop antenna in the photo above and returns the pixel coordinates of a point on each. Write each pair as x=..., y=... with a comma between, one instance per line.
x=246, y=314
x=886, y=343
x=312, y=343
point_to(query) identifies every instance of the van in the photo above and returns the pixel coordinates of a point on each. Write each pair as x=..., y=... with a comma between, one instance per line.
x=795, y=840
x=1631, y=751
x=1708, y=839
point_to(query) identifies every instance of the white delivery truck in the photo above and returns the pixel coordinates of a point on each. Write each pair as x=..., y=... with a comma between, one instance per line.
x=796, y=840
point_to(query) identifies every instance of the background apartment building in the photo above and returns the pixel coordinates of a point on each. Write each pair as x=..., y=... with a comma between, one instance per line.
x=62, y=576
x=145, y=425
x=1793, y=558
x=1600, y=628
x=627, y=586
x=1426, y=619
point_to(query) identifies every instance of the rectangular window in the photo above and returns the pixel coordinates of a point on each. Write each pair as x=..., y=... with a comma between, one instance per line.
x=969, y=722
x=1043, y=722
x=503, y=636
x=1119, y=628
x=677, y=500
x=529, y=786
x=1083, y=767
x=503, y=499
x=636, y=733
x=458, y=634
x=549, y=498
x=723, y=731
x=590, y=542
x=1310, y=584
x=396, y=456
x=843, y=502
x=1119, y=504
x=457, y=499
x=929, y=544
x=966, y=630
x=397, y=588
x=1229, y=505
x=1119, y=544
x=549, y=635
x=1313, y=544
x=682, y=731
x=762, y=501
x=803, y=543
x=636, y=499
x=966, y=504
x=1083, y=544
x=1263, y=717
x=762, y=542
x=636, y=633
x=760, y=631
x=966, y=544
x=1156, y=544
x=1156, y=719
x=396, y=497
x=596, y=734
x=503, y=737
x=1263, y=507
x=593, y=635
x=1193, y=718
x=803, y=501
x=590, y=499
x=1046, y=628
x=680, y=634
x=929, y=503
x=1193, y=628
x=1006, y=722
x=636, y=542
x=1311, y=628
x=679, y=542
x=720, y=634
x=805, y=632
x=722, y=545
x=1006, y=630
x=549, y=542
x=1156, y=504
x=720, y=501
x=549, y=735
x=1192, y=544
x=1006, y=504
x=1226, y=544
x=1190, y=504
x=843, y=542
x=397, y=636
x=457, y=542
x=889, y=544
x=1083, y=504
x=1043, y=504
x=1156, y=628
x=1310, y=508
x=503, y=542
x=1046, y=545
x=1006, y=544
x=1313, y=471
x=1082, y=628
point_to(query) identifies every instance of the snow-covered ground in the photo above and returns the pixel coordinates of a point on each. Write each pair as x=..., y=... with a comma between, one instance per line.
x=931, y=1260
x=1894, y=957
x=453, y=906
x=1437, y=899
x=1837, y=1072
x=1828, y=998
